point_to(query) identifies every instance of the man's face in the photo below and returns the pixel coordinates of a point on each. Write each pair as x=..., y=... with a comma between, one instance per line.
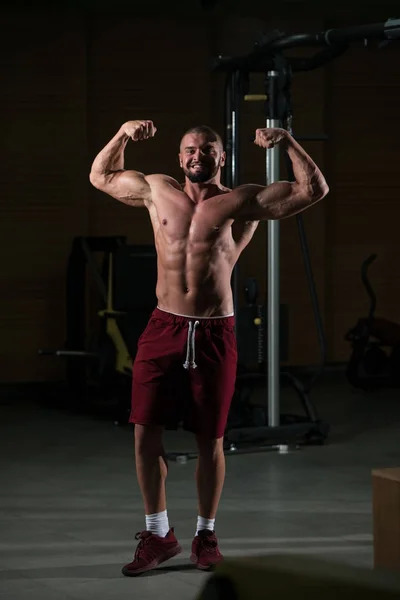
x=199, y=158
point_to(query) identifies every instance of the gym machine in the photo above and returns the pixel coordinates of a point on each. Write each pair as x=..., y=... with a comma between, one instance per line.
x=99, y=352
x=375, y=345
x=268, y=58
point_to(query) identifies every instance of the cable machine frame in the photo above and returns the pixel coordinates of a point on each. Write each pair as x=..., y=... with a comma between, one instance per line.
x=268, y=58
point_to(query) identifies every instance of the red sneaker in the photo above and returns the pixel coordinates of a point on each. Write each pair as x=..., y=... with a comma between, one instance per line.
x=205, y=551
x=151, y=551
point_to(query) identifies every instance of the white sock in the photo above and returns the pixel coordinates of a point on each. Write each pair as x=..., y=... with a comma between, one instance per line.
x=158, y=523
x=203, y=523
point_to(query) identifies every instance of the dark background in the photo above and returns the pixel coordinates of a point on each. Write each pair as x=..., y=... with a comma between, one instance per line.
x=71, y=75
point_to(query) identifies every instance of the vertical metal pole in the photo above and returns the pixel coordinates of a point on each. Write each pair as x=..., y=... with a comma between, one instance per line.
x=228, y=132
x=273, y=280
x=235, y=128
x=232, y=99
x=232, y=105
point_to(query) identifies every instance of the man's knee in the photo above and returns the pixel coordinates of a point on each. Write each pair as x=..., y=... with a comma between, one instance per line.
x=210, y=447
x=148, y=439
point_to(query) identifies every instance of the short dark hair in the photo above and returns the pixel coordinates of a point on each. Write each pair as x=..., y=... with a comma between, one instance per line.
x=211, y=134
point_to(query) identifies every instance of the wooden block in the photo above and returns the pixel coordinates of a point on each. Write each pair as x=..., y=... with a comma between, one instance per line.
x=386, y=518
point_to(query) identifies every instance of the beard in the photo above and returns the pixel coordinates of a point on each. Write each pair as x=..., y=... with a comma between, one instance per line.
x=204, y=174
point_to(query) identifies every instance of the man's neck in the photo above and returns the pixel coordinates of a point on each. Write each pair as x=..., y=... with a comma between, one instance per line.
x=199, y=192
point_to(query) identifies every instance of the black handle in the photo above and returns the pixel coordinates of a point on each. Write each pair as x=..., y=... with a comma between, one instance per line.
x=332, y=42
x=374, y=31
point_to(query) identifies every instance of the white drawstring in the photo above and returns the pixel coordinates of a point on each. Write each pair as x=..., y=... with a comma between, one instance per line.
x=191, y=346
x=186, y=363
x=194, y=366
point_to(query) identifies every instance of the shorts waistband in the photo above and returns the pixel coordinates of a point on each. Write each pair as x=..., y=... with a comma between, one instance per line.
x=167, y=316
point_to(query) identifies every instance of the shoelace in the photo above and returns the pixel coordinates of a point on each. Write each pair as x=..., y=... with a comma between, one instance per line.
x=143, y=546
x=208, y=543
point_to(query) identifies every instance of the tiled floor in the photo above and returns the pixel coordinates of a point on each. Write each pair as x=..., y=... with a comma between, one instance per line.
x=70, y=504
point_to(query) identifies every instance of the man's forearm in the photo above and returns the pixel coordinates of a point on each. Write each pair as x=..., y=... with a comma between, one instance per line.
x=111, y=158
x=305, y=171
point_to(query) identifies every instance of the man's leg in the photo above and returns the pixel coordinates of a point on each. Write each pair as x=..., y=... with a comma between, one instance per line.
x=210, y=476
x=158, y=542
x=213, y=384
x=151, y=467
x=152, y=405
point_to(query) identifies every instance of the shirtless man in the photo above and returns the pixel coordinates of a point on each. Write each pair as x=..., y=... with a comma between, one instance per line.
x=185, y=366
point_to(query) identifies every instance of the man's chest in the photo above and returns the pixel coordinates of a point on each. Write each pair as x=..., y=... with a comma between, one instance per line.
x=187, y=221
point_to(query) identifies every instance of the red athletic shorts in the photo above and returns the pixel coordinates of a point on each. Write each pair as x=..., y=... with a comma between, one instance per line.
x=185, y=372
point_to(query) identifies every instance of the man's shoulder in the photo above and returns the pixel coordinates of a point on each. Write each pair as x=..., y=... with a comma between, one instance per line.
x=248, y=187
x=241, y=193
x=157, y=179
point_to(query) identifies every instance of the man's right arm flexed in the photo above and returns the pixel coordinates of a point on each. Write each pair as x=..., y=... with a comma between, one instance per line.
x=108, y=173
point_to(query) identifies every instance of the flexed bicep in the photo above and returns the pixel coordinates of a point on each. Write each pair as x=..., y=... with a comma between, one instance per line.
x=129, y=187
x=260, y=203
x=281, y=199
x=108, y=173
x=278, y=200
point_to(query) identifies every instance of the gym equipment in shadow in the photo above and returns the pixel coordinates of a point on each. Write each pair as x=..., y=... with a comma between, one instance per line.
x=268, y=58
x=248, y=417
x=375, y=342
x=100, y=349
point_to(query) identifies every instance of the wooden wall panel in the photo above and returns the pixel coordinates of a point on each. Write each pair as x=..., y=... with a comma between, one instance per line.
x=69, y=82
x=134, y=75
x=364, y=210
x=42, y=179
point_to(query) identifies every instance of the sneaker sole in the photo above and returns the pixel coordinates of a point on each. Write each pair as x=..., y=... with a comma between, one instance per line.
x=170, y=554
x=194, y=560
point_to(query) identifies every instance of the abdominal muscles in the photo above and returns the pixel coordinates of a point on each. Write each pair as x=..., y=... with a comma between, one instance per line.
x=194, y=275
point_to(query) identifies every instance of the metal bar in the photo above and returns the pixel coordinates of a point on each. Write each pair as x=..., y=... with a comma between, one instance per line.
x=273, y=275
x=235, y=131
x=373, y=31
x=76, y=354
x=232, y=104
x=332, y=42
x=235, y=173
x=69, y=353
x=228, y=131
x=310, y=278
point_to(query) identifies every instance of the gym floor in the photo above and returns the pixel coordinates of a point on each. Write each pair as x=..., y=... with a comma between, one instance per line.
x=70, y=504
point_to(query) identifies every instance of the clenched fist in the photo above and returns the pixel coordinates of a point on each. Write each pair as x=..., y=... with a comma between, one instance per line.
x=139, y=130
x=268, y=137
